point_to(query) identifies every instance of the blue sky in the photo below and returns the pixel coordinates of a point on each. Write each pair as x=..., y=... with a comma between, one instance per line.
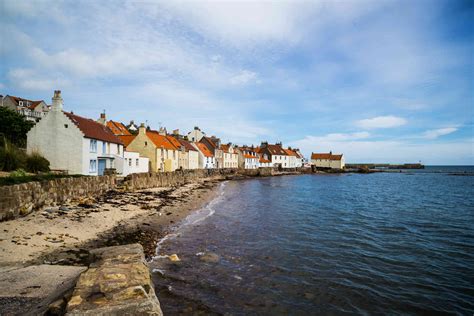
x=380, y=81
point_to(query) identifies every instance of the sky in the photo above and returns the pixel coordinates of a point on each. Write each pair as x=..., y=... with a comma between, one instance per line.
x=380, y=81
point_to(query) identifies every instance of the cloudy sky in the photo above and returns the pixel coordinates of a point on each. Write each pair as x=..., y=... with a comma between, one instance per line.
x=380, y=81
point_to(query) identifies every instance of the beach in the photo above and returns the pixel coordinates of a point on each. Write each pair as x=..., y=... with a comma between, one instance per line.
x=63, y=234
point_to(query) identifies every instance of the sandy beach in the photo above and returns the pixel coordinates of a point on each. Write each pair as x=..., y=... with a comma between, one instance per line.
x=63, y=234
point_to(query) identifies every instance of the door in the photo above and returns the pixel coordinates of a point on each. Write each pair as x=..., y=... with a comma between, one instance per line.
x=101, y=167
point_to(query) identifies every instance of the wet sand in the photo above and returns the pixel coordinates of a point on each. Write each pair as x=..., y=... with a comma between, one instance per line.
x=64, y=234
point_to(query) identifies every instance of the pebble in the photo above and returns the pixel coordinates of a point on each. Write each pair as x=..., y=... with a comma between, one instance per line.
x=64, y=208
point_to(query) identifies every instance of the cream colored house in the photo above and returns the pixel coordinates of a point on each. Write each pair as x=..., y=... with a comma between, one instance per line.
x=163, y=155
x=327, y=160
x=230, y=156
x=193, y=155
x=196, y=134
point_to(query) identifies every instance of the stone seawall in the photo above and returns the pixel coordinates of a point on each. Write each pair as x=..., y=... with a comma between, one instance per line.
x=21, y=199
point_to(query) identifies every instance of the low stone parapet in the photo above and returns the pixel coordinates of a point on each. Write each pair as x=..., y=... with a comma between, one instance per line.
x=118, y=282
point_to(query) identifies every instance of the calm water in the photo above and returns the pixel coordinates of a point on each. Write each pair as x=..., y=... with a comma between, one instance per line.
x=387, y=243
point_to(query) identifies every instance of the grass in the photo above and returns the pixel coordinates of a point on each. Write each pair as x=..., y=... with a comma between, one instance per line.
x=12, y=179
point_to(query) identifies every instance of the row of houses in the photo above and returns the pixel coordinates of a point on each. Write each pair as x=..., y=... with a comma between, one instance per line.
x=81, y=145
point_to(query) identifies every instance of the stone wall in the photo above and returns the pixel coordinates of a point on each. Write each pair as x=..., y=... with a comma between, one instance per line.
x=21, y=199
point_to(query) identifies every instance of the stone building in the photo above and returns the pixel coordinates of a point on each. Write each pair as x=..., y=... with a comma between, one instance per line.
x=328, y=160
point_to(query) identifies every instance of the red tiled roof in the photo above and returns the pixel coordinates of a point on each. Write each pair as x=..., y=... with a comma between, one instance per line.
x=327, y=156
x=160, y=141
x=187, y=145
x=290, y=152
x=276, y=150
x=205, y=151
x=118, y=128
x=92, y=129
x=126, y=139
x=32, y=106
x=263, y=160
x=250, y=156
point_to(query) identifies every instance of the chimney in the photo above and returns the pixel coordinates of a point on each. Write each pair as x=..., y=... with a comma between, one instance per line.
x=142, y=129
x=57, y=105
x=264, y=144
x=176, y=132
x=102, y=120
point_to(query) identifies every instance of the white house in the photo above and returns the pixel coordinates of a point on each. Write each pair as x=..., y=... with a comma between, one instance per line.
x=248, y=158
x=328, y=160
x=133, y=163
x=75, y=144
x=30, y=110
x=195, y=135
x=206, y=158
x=276, y=154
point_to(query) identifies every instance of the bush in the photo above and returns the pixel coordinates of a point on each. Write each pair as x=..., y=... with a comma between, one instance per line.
x=18, y=173
x=14, y=127
x=11, y=158
x=36, y=163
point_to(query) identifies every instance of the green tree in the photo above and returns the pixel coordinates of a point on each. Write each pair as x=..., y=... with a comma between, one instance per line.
x=14, y=127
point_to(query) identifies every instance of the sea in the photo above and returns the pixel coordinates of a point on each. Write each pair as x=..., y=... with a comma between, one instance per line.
x=396, y=243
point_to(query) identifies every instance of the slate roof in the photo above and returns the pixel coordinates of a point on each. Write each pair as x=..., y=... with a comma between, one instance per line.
x=93, y=129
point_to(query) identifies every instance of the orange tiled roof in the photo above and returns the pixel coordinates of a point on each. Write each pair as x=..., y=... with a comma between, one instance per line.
x=263, y=160
x=205, y=151
x=276, y=150
x=92, y=129
x=327, y=156
x=160, y=141
x=290, y=152
x=126, y=139
x=118, y=128
x=250, y=156
x=174, y=141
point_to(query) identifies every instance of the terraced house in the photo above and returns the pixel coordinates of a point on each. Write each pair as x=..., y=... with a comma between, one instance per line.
x=161, y=152
x=75, y=144
x=230, y=156
x=276, y=154
x=248, y=158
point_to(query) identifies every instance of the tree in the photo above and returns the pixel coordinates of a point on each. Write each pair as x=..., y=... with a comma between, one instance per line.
x=14, y=127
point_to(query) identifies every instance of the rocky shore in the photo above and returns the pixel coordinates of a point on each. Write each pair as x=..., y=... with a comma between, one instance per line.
x=58, y=241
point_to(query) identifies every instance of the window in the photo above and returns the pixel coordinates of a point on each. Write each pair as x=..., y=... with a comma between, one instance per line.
x=103, y=147
x=130, y=162
x=118, y=149
x=65, y=126
x=136, y=162
x=92, y=165
x=93, y=146
x=146, y=143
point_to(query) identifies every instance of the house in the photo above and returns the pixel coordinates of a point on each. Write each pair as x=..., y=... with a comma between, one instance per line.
x=264, y=160
x=75, y=144
x=213, y=144
x=30, y=110
x=292, y=158
x=327, y=160
x=300, y=158
x=248, y=158
x=163, y=155
x=230, y=157
x=276, y=154
x=183, y=154
x=196, y=134
x=206, y=157
x=193, y=154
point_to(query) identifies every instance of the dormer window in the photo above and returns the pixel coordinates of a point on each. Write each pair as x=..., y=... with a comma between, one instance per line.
x=20, y=103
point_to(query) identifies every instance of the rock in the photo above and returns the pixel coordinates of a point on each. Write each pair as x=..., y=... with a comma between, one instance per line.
x=57, y=308
x=48, y=210
x=64, y=208
x=309, y=296
x=209, y=257
x=174, y=258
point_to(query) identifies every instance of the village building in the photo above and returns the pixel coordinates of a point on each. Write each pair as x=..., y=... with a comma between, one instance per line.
x=196, y=135
x=327, y=160
x=276, y=154
x=214, y=145
x=163, y=155
x=183, y=154
x=264, y=160
x=133, y=163
x=75, y=144
x=193, y=154
x=230, y=156
x=132, y=128
x=292, y=158
x=248, y=158
x=31, y=110
x=206, y=157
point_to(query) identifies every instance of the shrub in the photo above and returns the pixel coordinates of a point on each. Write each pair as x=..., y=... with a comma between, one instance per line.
x=18, y=173
x=36, y=163
x=11, y=158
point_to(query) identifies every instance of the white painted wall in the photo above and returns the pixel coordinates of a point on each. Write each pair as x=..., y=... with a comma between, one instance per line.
x=193, y=159
x=60, y=141
x=133, y=163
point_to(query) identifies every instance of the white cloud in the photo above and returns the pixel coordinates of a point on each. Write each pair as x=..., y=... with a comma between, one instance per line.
x=435, y=133
x=28, y=79
x=381, y=122
x=244, y=77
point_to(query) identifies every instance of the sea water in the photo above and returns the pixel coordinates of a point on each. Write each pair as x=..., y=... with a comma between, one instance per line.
x=384, y=243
